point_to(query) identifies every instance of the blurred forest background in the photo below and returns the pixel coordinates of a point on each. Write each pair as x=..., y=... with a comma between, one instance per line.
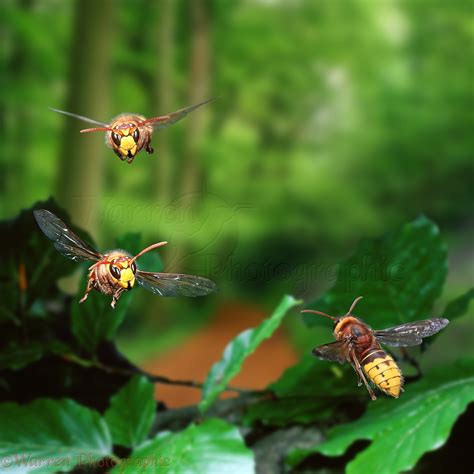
x=333, y=121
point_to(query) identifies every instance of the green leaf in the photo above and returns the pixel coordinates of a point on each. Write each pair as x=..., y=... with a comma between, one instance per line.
x=95, y=320
x=31, y=266
x=400, y=276
x=289, y=410
x=238, y=350
x=131, y=412
x=404, y=429
x=454, y=309
x=312, y=375
x=459, y=306
x=15, y=356
x=305, y=393
x=51, y=435
x=212, y=447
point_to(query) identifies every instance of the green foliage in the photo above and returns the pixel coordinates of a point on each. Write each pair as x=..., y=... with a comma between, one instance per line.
x=29, y=274
x=312, y=375
x=211, y=447
x=15, y=356
x=399, y=275
x=51, y=436
x=31, y=266
x=95, y=320
x=459, y=306
x=132, y=412
x=403, y=430
x=45, y=432
x=310, y=391
x=37, y=332
x=104, y=406
x=238, y=350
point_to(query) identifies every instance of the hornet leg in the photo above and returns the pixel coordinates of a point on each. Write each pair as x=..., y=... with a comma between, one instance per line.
x=148, y=148
x=90, y=287
x=359, y=378
x=360, y=373
x=116, y=296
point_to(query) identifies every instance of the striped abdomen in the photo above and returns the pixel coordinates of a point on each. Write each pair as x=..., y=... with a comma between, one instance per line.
x=382, y=371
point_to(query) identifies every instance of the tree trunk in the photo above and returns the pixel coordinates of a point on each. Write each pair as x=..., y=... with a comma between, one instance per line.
x=163, y=98
x=199, y=86
x=80, y=173
x=15, y=120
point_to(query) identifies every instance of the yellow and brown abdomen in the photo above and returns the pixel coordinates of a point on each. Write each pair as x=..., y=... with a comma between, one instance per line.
x=382, y=371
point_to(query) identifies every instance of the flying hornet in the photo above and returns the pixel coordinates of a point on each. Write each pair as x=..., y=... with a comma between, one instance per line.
x=127, y=134
x=116, y=271
x=359, y=345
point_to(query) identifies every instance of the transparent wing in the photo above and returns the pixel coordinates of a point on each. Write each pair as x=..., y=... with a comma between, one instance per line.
x=167, y=120
x=80, y=117
x=175, y=284
x=335, y=351
x=65, y=240
x=410, y=334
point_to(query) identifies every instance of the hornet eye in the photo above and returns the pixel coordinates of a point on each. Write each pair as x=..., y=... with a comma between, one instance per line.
x=136, y=135
x=116, y=138
x=115, y=271
x=134, y=267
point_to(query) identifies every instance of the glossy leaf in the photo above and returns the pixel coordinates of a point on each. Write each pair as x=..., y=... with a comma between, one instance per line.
x=213, y=447
x=455, y=309
x=30, y=266
x=311, y=376
x=309, y=391
x=238, y=350
x=399, y=275
x=15, y=356
x=95, y=320
x=131, y=412
x=50, y=436
x=289, y=410
x=32, y=310
x=404, y=429
x=459, y=306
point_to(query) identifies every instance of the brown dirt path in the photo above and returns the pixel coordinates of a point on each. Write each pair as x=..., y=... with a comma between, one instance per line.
x=193, y=359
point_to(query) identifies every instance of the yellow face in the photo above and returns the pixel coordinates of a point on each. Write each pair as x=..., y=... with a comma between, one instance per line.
x=123, y=273
x=124, y=140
